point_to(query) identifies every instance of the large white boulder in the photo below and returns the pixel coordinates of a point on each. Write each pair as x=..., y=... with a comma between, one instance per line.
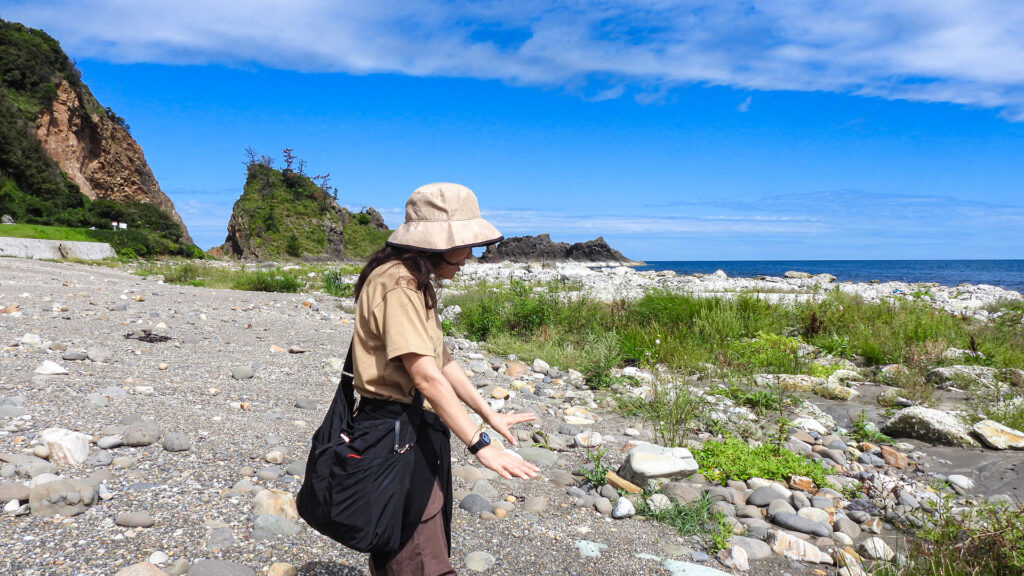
x=929, y=425
x=649, y=463
x=67, y=447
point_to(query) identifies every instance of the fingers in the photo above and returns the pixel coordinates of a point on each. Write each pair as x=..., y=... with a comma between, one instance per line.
x=519, y=418
x=506, y=434
x=508, y=466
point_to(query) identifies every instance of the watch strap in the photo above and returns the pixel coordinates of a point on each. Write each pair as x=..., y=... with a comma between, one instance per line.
x=484, y=440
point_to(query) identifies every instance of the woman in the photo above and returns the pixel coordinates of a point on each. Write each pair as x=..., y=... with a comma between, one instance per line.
x=398, y=350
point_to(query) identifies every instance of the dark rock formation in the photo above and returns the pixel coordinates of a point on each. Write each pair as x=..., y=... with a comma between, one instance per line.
x=541, y=248
x=596, y=250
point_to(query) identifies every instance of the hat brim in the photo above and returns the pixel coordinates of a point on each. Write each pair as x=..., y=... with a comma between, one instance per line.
x=435, y=236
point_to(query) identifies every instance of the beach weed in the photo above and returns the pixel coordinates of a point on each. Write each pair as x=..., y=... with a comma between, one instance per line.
x=864, y=430
x=984, y=540
x=734, y=459
x=267, y=281
x=698, y=518
x=334, y=284
x=674, y=410
x=767, y=352
x=760, y=401
x=597, y=473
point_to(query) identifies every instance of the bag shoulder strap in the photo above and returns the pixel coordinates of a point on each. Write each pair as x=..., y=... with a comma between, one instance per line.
x=345, y=389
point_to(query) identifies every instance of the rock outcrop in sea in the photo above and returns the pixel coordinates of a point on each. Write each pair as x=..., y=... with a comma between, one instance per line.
x=542, y=248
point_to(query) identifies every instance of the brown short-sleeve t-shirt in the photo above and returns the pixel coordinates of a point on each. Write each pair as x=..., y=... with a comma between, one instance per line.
x=392, y=319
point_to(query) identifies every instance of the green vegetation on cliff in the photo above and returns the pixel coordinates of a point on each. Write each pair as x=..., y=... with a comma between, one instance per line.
x=33, y=190
x=361, y=238
x=32, y=187
x=285, y=213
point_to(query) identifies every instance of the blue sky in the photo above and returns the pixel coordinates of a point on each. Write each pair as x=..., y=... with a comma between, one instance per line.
x=677, y=130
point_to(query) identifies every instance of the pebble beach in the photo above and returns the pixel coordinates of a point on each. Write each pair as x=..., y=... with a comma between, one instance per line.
x=154, y=427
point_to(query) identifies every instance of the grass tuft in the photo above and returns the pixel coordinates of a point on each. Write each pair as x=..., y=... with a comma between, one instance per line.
x=734, y=459
x=697, y=518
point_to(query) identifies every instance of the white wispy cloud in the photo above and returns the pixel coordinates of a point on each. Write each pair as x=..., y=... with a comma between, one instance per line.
x=969, y=53
x=809, y=225
x=745, y=105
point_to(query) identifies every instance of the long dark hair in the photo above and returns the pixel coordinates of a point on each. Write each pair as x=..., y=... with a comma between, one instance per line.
x=420, y=264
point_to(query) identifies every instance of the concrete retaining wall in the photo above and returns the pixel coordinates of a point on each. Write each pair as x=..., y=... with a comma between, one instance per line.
x=54, y=249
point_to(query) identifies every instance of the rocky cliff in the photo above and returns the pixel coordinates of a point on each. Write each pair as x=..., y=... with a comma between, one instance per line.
x=283, y=213
x=541, y=248
x=64, y=158
x=98, y=154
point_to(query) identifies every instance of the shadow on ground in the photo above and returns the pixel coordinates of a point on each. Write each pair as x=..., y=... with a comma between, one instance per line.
x=329, y=569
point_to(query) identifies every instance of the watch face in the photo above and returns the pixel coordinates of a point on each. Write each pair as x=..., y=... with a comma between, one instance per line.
x=485, y=438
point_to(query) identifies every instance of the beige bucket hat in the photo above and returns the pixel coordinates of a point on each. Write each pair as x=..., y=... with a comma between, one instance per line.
x=441, y=217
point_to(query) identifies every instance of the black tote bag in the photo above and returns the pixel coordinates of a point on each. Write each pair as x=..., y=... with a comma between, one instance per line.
x=358, y=476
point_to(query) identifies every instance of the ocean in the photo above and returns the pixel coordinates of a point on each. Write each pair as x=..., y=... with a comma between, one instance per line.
x=1008, y=274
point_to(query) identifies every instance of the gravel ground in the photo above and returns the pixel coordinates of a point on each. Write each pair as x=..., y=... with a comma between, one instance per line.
x=232, y=425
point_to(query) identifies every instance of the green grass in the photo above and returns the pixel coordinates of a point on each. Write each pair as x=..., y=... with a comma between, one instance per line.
x=741, y=335
x=130, y=244
x=988, y=542
x=42, y=232
x=734, y=459
x=290, y=279
x=674, y=410
x=697, y=518
x=360, y=239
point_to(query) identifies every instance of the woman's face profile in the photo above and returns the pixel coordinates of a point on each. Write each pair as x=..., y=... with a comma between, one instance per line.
x=451, y=262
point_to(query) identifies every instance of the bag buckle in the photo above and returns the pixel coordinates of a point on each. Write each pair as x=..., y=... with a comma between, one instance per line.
x=399, y=449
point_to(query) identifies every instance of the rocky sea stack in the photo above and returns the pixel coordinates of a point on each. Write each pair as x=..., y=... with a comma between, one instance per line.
x=541, y=248
x=283, y=213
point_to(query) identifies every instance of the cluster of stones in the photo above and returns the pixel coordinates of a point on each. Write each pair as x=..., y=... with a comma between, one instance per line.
x=617, y=282
x=66, y=471
x=794, y=519
x=33, y=481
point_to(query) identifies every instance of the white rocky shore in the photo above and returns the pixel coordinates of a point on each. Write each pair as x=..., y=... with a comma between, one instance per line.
x=614, y=282
x=155, y=429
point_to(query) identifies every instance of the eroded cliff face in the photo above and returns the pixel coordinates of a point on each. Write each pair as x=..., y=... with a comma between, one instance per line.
x=98, y=154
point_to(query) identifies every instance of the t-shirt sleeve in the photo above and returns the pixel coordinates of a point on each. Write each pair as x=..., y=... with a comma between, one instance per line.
x=404, y=325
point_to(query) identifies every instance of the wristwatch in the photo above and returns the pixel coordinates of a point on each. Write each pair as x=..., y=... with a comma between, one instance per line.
x=484, y=440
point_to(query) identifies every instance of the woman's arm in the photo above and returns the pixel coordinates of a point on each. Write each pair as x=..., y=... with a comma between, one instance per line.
x=437, y=390
x=466, y=392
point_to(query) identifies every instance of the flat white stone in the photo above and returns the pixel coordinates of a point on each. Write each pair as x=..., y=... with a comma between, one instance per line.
x=50, y=368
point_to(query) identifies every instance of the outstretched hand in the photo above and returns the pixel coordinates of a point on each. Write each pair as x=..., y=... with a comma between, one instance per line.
x=506, y=464
x=501, y=423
